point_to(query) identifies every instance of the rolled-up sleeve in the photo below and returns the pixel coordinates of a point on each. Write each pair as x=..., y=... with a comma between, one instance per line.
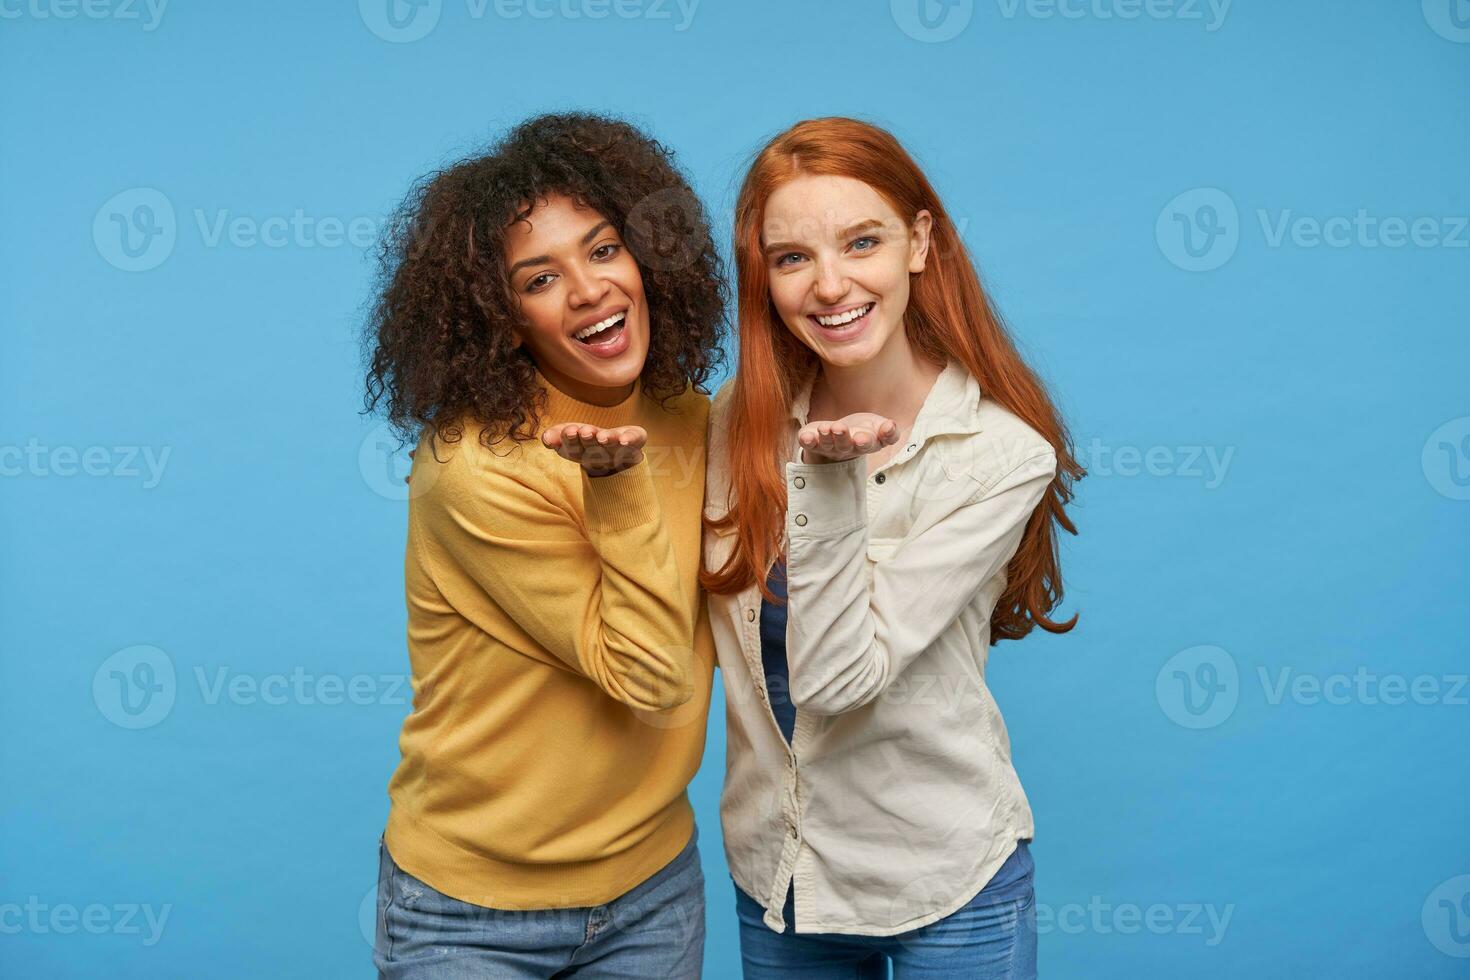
x=847, y=641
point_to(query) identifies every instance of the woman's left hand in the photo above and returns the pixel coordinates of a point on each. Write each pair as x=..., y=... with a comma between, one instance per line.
x=847, y=438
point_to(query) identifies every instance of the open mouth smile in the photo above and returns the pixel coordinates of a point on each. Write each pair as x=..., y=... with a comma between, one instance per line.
x=845, y=323
x=607, y=337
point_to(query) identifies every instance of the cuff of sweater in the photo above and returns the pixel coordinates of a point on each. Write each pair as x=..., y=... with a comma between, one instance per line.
x=621, y=501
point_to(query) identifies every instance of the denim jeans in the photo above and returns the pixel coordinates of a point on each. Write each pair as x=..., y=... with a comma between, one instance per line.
x=992, y=937
x=654, y=930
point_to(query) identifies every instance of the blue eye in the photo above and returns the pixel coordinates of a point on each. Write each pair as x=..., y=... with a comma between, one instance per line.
x=781, y=262
x=865, y=238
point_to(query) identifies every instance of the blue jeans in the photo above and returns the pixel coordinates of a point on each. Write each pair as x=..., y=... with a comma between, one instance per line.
x=654, y=930
x=992, y=937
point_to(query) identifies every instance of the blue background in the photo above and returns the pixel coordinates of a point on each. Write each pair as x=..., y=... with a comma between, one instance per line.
x=271, y=543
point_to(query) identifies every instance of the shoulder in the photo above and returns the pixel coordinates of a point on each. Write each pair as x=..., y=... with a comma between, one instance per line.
x=717, y=466
x=719, y=410
x=496, y=481
x=682, y=418
x=1005, y=445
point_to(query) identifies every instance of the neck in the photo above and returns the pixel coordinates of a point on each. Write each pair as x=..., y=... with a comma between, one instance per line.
x=583, y=391
x=894, y=383
x=599, y=410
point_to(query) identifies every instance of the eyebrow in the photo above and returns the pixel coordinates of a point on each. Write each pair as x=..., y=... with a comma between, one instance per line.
x=844, y=233
x=546, y=259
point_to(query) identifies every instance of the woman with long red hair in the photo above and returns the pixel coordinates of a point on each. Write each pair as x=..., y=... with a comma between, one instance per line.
x=886, y=476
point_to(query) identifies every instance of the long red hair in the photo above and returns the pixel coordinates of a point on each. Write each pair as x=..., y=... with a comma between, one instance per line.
x=948, y=317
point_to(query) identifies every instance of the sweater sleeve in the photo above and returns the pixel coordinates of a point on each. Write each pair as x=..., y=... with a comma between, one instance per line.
x=600, y=592
x=847, y=640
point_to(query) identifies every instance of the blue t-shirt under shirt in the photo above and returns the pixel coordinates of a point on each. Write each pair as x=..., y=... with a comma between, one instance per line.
x=773, y=652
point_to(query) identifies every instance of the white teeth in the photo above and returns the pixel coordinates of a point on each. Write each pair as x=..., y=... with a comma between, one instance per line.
x=841, y=318
x=596, y=328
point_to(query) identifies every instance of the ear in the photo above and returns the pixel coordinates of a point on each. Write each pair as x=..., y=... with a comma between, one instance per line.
x=919, y=240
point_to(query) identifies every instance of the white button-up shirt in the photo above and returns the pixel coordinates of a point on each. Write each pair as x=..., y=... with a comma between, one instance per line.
x=896, y=800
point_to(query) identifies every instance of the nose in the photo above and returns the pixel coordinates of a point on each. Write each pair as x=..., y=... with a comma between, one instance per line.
x=585, y=287
x=831, y=285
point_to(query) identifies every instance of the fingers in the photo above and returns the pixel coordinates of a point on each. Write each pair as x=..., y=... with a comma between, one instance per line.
x=597, y=449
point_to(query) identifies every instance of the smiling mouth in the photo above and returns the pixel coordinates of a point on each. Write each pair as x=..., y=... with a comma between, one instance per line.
x=603, y=331
x=838, y=320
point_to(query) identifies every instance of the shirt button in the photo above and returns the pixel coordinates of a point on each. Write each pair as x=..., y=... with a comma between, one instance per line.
x=750, y=615
x=800, y=482
x=880, y=477
x=801, y=520
x=794, y=834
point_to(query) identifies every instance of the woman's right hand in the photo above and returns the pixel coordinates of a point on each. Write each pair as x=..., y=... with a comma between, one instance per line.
x=601, y=452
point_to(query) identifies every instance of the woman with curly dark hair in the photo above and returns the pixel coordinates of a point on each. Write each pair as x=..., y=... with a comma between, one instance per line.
x=548, y=314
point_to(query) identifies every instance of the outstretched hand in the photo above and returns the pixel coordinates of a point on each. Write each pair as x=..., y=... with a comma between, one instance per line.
x=601, y=452
x=847, y=438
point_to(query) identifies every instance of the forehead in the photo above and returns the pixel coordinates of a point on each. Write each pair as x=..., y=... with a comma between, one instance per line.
x=555, y=224
x=819, y=207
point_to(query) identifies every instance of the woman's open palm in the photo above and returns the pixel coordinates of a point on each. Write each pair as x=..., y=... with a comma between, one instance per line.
x=601, y=452
x=858, y=434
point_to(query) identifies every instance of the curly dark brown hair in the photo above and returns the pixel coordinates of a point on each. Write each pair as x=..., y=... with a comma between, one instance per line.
x=442, y=351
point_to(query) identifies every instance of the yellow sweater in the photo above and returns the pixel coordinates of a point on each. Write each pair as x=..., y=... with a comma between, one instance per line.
x=562, y=663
